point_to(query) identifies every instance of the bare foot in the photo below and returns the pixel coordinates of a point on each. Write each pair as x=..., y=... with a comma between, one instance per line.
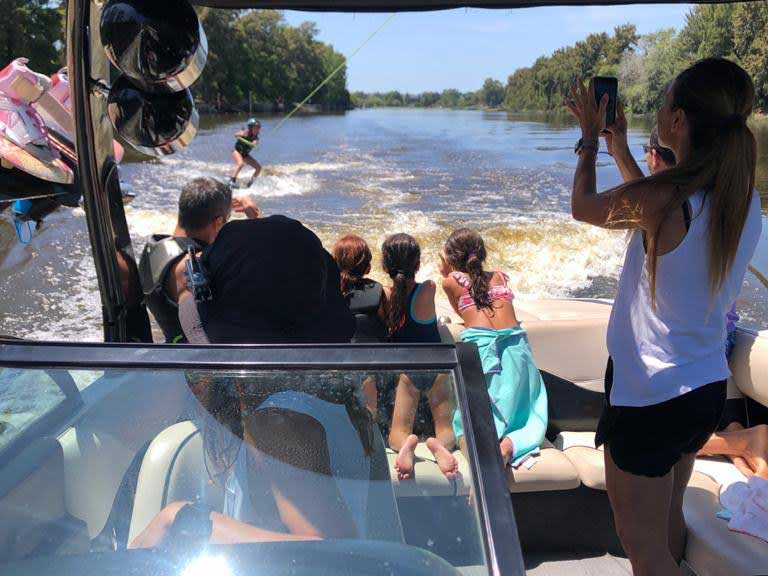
x=405, y=456
x=757, y=450
x=742, y=466
x=507, y=450
x=445, y=460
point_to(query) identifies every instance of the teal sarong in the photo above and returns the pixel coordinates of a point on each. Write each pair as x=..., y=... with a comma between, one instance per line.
x=518, y=396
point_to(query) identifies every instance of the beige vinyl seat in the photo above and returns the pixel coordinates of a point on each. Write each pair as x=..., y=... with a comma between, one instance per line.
x=712, y=548
x=579, y=449
x=174, y=469
x=551, y=471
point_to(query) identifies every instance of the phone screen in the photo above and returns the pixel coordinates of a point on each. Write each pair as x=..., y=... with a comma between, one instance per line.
x=610, y=86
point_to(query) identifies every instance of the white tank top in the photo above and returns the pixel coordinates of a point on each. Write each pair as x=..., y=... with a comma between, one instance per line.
x=659, y=354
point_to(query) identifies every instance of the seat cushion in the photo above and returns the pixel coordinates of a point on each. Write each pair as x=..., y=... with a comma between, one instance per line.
x=712, y=548
x=550, y=471
x=579, y=448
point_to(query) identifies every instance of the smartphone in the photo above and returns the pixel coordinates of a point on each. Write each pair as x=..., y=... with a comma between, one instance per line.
x=610, y=86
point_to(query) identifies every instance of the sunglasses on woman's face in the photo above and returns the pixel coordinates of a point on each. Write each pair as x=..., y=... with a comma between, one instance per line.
x=647, y=149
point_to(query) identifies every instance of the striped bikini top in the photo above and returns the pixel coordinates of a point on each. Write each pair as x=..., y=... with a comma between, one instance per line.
x=496, y=292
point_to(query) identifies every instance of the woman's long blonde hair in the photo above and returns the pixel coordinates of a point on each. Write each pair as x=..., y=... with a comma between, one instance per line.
x=717, y=96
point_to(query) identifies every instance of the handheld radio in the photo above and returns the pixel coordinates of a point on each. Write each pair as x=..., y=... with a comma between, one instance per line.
x=197, y=279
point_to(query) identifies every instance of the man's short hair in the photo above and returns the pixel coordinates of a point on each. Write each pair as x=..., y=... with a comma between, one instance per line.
x=203, y=200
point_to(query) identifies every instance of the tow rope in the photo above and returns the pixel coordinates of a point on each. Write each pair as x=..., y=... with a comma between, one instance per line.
x=334, y=72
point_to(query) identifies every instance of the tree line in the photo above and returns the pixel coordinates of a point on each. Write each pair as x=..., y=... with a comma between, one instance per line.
x=645, y=64
x=256, y=56
x=253, y=55
x=491, y=95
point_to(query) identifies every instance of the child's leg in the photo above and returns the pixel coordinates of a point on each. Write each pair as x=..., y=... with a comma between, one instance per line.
x=371, y=396
x=403, y=412
x=401, y=436
x=442, y=406
x=238, y=164
x=256, y=167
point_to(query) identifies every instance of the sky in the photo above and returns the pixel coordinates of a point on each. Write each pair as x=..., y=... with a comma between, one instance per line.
x=417, y=52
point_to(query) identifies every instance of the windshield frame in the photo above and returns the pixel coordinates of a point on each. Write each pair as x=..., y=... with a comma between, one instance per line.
x=493, y=501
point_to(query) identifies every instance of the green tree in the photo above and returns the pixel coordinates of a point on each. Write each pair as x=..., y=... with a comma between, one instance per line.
x=624, y=41
x=750, y=26
x=492, y=93
x=33, y=29
x=708, y=31
x=450, y=98
x=334, y=94
x=221, y=80
x=428, y=99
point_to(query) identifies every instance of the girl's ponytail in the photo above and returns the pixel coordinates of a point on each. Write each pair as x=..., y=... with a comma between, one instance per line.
x=401, y=258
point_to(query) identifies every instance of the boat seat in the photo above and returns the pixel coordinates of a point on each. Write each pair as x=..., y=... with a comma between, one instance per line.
x=551, y=471
x=175, y=469
x=579, y=448
x=712, y=549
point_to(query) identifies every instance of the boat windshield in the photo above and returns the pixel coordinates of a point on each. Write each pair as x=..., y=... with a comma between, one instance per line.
x=241, y=469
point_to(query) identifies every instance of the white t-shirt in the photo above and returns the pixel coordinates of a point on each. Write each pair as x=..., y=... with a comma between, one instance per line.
x=659, y=354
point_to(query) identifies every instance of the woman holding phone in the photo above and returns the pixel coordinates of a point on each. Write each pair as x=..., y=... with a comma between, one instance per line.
x=696, y=226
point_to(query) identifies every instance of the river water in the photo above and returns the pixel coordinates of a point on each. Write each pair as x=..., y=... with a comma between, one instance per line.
x=371, y=172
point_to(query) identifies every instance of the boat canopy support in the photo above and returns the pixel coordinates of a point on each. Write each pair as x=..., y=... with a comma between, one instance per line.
x=107, y=226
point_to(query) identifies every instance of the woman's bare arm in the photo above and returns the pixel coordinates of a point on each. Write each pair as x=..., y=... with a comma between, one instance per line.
x=224, y=530
x=637, y=205
x=616, y=142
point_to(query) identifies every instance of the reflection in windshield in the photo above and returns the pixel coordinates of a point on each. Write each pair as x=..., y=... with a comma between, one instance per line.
x=177, y=460
x=291, y=463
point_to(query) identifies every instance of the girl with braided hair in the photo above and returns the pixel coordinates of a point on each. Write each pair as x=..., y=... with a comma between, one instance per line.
x=484, y=301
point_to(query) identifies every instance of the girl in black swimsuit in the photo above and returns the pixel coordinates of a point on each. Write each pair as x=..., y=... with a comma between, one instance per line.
x=246, y=141
x=409, y=316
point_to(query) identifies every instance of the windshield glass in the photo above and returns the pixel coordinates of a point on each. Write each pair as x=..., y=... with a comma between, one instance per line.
x=263, y=464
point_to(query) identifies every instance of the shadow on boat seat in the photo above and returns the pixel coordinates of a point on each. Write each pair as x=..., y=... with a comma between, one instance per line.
x=176, y=468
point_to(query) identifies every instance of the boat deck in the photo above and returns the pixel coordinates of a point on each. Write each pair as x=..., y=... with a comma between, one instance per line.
x=577, y=565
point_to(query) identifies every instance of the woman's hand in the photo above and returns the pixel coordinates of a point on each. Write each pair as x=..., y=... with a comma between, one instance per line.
x=616, y=134
x=582, y=105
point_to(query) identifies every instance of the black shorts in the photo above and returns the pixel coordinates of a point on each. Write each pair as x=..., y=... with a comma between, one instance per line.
x=243, y=150
x=650, y=440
